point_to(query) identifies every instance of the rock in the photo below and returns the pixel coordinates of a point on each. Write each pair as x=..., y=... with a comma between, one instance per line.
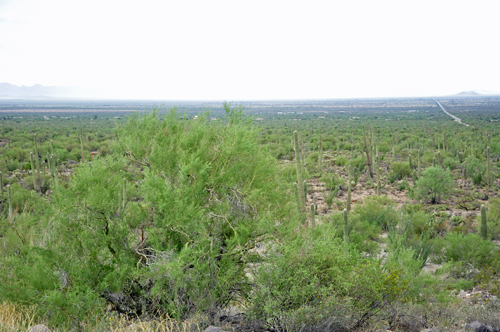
x=213, y=329
x=473, y=326
x=39, y=328
x=232, y=318
x=484, y=328
x=431, y=268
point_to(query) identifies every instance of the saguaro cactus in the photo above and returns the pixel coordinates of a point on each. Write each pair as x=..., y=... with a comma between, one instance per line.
x=43, y=174
x=368, y=159
x=11, y=208
x=124, y=198
x=313, y=215
x=419, y=169
x=81, y=148
x=392, y=145
x=37, y=161
x=487, y=189
x=484, y=230
x=33, y=172
x=300, y=179
x=349, y=169
x=346, y=232
x=378, y=174
x=320, y=155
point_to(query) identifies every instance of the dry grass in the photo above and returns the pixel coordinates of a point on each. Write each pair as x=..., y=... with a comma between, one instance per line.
x=15, y=318
x=396, y=317
x=164, y=324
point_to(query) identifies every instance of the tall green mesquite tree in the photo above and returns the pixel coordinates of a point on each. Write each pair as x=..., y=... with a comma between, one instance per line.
x=207, y=192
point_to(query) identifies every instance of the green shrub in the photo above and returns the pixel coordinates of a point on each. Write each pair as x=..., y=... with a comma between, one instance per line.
x=399, y=171
x=469, y=248
x=12, y=165
x=427, y=157
x=358, y=166
x=435, y=184
x=289, y=172
x=207, y=192
x=403, y=185
x=420, y=222
x=475, y=169
x=312, y=157
x=487, y=277
x=278, y=153
x=377, y=210
x=20, y=197
x=457, y=220
x=312, y=270
x=438, y=208
x=332, y=180
x=363, y=235
x=451, y=163
x=414, y=233
x=411, y=208
x=463, y=284
x=341, y=161
x=401, y=257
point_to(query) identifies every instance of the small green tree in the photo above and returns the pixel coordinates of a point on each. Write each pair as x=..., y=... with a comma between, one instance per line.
x=436, y=183
x=174, y=240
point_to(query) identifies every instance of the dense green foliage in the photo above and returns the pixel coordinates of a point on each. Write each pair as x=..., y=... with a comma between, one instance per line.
x=435, y=184
x=202, y=194
x=172, y=215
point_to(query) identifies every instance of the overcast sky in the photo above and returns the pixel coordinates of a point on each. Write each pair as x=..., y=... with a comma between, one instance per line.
x=241, y=50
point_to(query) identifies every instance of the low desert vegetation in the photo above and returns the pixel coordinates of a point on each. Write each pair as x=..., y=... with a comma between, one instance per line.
x=177, y=223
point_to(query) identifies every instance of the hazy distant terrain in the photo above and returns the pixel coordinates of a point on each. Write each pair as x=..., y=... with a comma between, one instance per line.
x=455, y=104
x=8, y=90
x=468, y=93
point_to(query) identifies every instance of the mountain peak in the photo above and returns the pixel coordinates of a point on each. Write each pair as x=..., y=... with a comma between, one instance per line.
x=8, y=90
x=468, y=93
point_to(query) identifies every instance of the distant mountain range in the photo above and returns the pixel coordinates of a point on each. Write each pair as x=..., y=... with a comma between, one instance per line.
x=475, y=93
x=10, y=91
x=38, y=91
x=468, y=93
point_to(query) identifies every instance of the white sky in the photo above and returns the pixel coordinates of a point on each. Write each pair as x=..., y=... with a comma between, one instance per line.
x=238, y=50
